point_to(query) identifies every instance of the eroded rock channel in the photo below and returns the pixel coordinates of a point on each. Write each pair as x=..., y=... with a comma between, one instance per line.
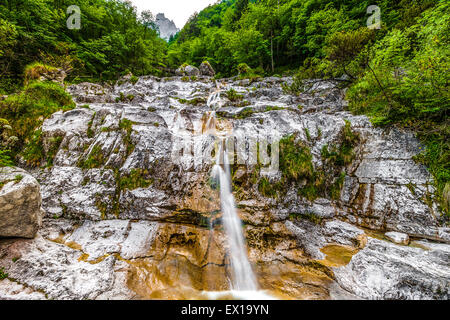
x=131, y=214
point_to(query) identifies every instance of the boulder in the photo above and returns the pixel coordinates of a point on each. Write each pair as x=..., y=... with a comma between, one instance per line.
x=191, y=71
x=20, y=203
x=127, y=77
x=206, y=69
x=397, y=237
x=180, y=71
x=55, y=75
x=187, y=70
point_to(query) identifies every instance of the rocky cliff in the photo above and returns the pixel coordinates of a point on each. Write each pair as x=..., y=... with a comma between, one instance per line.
x=131, y=212
x=167, y=28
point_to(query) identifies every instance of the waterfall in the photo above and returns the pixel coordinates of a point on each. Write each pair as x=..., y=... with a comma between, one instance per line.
x=242, y=276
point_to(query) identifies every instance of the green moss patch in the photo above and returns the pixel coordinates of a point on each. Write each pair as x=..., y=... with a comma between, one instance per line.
x=297, y=168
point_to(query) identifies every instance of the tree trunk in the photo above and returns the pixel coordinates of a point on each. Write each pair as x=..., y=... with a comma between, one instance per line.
x=271, y=53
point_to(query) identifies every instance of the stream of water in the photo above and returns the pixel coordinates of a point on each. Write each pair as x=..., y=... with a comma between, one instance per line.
x=242, y=276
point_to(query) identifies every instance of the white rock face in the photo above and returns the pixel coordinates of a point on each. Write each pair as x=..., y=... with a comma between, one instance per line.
x=344, y=233
x=383, y=270
x=376, y=192
x=397, y=237
x=167, y=28
x=129, y=240
x=10, y=290
x=65, y=269
x=59, y=272
x=106, y=223
x=20, y=203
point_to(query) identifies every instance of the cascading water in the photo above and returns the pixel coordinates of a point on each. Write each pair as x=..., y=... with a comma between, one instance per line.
x=242, y=277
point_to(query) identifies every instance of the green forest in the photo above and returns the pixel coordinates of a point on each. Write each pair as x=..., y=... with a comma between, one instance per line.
x=398, y=74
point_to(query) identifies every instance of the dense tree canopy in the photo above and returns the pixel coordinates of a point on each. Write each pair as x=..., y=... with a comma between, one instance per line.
x=113, y=38
x=284, y=33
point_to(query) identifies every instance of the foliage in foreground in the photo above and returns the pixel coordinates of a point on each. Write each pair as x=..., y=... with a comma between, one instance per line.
x=406, y=84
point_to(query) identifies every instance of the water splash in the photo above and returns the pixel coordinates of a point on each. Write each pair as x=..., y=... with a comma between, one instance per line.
x=238, y=295
x=214, y=100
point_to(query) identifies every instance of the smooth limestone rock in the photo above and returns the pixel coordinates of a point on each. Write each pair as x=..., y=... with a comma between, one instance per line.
x=127, y=238
x=20, y=203
x=58, y=270
x=55, y=75
x=10, y=290
x=378, y=269
x=397, y=237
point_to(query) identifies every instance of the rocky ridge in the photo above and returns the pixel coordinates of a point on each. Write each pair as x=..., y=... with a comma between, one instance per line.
x=167, y=27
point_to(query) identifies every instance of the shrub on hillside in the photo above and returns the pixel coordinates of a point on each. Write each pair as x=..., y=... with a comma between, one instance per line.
x=26, y=111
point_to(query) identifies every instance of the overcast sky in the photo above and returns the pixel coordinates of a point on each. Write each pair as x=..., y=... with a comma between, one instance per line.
x=177, y=10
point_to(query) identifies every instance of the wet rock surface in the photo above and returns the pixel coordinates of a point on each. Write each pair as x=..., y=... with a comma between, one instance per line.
x=131, y=211
x=397, y=237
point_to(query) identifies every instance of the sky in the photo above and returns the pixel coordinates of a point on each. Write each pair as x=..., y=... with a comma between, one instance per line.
x=177, y=10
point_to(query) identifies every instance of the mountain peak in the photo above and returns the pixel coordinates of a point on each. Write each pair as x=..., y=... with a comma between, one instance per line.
x=167, y=27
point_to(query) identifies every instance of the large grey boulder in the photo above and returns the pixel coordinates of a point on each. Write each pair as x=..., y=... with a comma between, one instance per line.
x=187, y=71
x=55, y=75
x=206, y=69
x=20, y=203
